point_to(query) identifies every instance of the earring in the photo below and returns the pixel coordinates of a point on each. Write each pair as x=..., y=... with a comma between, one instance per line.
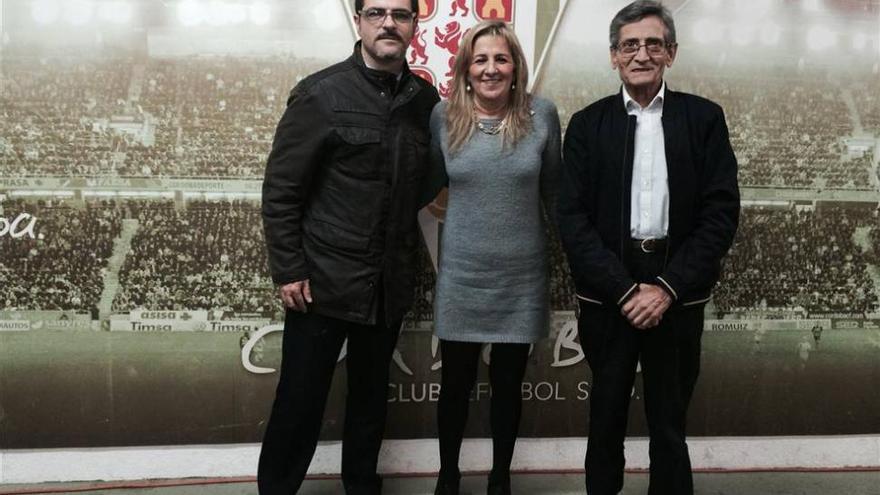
x=467, y=88
x=513, y=87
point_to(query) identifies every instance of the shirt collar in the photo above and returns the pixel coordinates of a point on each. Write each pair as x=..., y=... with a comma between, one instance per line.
x=657, y=102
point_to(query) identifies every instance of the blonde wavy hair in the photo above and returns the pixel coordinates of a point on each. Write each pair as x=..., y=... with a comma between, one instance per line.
x=461, y=115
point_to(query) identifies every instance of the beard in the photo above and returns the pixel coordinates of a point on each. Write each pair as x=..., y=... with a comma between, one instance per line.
x=380, y=51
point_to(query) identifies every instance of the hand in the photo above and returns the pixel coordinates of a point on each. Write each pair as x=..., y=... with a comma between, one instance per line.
x=295, y=295
x=645, y=308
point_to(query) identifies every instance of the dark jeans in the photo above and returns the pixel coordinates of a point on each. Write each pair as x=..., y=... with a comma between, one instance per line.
x=670, y=359
x=458, y=374
x=310, y=350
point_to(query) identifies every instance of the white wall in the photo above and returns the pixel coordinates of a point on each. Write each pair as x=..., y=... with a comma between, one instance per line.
x=420, y=456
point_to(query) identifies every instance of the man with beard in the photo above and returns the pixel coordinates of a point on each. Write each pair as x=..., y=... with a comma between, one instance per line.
x=340, y=199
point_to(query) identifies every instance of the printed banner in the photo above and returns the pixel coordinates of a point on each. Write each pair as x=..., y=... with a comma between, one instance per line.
x=44, y=315
x=763, y=325
x=14, y=325
x=133, y=266
x=182, y=316
x=64, y=325
x=742, y=372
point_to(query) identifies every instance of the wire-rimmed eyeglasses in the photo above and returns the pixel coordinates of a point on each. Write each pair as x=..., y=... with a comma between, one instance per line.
x=653, y=46
x=377, y=16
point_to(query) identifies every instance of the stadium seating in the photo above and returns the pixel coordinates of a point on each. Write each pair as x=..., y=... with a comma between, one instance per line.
x=801, y=260
x=209, y=255
x=62, y=267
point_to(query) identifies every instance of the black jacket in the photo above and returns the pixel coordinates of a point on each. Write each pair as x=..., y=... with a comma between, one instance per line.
x=341, y=188
x=594, y=202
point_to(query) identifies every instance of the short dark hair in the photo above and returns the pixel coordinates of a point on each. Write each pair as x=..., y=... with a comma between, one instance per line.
x=637, y=11
x=359, y=5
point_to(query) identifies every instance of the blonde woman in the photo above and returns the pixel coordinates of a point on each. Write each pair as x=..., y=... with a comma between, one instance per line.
x=497, y=148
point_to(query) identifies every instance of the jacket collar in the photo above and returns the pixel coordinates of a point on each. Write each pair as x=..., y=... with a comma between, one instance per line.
x=630, y=103
x=675, y=138
x=379, y=78
x=672, y=114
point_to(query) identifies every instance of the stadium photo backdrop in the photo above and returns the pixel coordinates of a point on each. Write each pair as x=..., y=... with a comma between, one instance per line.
x=136, y=306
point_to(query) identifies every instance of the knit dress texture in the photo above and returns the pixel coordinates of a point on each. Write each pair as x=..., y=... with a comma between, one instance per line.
x=492, y=284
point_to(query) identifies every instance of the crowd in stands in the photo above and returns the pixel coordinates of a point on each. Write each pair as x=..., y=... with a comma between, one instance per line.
x=52, y=113
x=803, y=260
x=215, y=116
x=783, y=260
x=787, y=135
x=206, y=255
x=218, y=114
x=193, y=117
x=62, y=267
x=210, y=255
x=865, y=90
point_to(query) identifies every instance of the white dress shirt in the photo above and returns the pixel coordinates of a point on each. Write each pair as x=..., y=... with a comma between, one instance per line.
x=649, y=191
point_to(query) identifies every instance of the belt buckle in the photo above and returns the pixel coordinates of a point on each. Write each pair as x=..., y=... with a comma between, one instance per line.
x=648, y=245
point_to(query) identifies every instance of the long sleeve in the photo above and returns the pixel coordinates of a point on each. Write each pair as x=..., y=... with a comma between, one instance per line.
x=696, y=263
x=296, y=154
x=551, y=163
x=436, y=179
x=593, y=265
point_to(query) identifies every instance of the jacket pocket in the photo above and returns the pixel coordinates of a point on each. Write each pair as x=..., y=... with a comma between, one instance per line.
x=359, y=152
x=338, y=238
x=356, y=136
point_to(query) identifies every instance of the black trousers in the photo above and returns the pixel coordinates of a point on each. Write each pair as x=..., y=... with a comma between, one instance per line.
x=310, y=350
x=670, y=360
x=458, y=374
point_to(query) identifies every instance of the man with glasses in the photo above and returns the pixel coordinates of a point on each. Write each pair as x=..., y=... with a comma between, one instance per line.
x=648, y=207
x=340, y=199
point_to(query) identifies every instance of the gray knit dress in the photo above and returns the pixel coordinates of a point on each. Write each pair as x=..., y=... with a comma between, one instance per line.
x=492, y=284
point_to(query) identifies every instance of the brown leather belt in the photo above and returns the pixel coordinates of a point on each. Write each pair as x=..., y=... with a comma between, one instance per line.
x=649, y=245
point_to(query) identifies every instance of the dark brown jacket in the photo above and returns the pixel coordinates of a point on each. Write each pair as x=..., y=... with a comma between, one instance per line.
x=341, y=191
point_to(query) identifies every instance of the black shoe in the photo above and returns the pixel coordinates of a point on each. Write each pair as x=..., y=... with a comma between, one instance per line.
x=499, y=484
x=447, y=485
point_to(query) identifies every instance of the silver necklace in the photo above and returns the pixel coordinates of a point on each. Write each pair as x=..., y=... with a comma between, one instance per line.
x=491, y=129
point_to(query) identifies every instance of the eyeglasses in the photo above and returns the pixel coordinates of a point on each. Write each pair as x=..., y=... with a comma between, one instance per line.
x=376, y=16
x=653, y=46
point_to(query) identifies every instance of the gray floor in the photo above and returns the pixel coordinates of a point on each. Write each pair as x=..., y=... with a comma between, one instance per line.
x=812, y=483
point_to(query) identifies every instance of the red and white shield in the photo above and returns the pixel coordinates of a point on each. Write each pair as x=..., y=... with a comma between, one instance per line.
x=427, y=9
x=424, y=74
x=501, y=10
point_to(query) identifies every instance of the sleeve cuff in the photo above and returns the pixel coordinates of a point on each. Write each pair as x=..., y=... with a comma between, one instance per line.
x=668, y=288
x=290, y=277
x=628, y=294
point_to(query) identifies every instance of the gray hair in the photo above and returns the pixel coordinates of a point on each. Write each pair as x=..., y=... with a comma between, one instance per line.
x=637, y=11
